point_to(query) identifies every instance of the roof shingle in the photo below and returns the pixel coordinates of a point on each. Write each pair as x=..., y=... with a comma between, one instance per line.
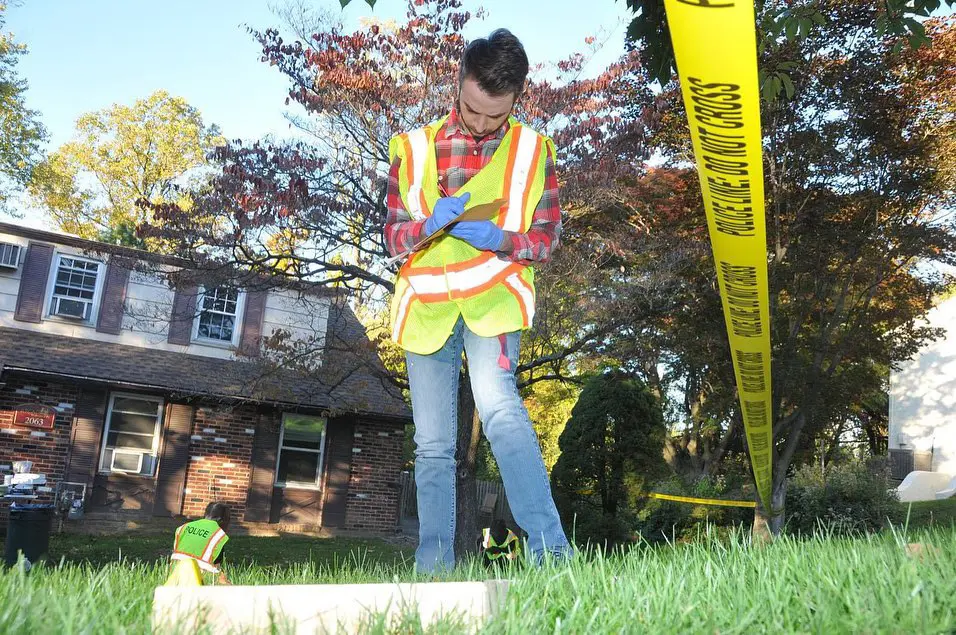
x=351, y=378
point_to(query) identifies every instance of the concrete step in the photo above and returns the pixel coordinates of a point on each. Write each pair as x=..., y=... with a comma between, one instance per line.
x=322, y=608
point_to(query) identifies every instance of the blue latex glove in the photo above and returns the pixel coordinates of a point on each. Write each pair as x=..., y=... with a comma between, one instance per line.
x=480, y=234
x=445, y=210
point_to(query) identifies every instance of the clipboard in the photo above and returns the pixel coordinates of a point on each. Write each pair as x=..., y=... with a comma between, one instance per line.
x=484, y=211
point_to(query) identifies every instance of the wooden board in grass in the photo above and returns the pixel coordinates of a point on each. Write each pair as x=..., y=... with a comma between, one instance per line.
x=325, y=608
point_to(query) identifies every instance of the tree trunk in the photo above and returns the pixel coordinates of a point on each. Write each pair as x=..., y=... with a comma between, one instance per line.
x=833, y=445
x=466, y=487
x=766, y=523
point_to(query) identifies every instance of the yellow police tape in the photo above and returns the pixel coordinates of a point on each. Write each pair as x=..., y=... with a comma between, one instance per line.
x=716, y=52
x=702, y=501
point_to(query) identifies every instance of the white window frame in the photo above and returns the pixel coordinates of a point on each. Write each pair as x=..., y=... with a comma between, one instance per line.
x=320, y=469
x=157, y=433
x=97, y=291
x=237, y=325
x=8, y=249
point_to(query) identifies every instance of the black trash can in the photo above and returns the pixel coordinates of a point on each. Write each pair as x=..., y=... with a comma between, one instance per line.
x=28, y=530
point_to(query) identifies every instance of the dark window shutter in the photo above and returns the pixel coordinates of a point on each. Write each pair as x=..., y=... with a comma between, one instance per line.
x=36, y=271
x=265, y=447
x=110, y=319
x=174, y=460
x=339, y=439
x=89, y=418
x=183, y=313
x=252, y=323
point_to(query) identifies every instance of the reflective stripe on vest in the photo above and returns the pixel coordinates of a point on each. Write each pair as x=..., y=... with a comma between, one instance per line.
x=416, y=146
x=461, y=281
x=524, y=294
x=524, y=154
x=450, y=277
x=489, y=543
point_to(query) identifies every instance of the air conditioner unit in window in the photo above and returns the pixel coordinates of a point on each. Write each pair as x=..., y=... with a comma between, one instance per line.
x=129, y=462
x=9, y=256
x=73, y=309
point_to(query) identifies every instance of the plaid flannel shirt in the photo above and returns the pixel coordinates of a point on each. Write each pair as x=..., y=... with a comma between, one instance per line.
x=460, y=157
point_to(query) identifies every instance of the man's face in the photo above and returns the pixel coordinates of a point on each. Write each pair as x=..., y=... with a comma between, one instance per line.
x=482, y=113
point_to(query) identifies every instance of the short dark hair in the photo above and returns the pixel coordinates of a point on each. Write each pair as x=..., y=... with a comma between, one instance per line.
x=219, y=512
x=499, y=530
x=497, y=62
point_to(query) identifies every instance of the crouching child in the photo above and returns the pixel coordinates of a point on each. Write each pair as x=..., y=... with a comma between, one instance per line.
x=199, y=546
x=498, y=544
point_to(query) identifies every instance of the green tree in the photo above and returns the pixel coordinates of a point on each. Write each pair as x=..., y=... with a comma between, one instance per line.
x=785, y=23
x=121, y=155
x=611, y=449
x=550, y=405
x=859, y=207
x=21, y=133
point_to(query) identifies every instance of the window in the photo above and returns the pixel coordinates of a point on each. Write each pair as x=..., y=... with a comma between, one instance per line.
x=75, y=286
x=9, y=256
x=131, y=436
x=218, y=319
x=301, y=444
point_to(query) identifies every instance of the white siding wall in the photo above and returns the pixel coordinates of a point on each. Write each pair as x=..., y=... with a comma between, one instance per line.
x=305, y=317
x=149, y=303
x=10, y=281
x=923, y=396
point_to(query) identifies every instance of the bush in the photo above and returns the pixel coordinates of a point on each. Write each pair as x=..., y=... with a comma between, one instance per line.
x=611, y=448
x=668, y=520
x=849, y=498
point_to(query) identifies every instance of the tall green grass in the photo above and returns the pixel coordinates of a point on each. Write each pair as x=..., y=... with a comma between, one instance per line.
x=817, y=585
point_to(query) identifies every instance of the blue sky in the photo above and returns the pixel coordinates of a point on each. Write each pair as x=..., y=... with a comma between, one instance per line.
x=88, y=55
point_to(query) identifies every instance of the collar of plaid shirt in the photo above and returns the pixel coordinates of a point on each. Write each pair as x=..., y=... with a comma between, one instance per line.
x=453, y=127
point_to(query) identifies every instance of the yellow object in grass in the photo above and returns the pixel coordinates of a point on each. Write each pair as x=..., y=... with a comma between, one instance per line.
x=185, y=573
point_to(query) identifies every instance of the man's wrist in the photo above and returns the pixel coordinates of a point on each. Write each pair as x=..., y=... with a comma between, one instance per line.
x=420, y=231
x=507, y=245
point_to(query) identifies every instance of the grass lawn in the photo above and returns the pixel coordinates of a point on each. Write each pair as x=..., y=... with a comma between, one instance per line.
x=864, y=585
x=933, y=513
x=241, y=550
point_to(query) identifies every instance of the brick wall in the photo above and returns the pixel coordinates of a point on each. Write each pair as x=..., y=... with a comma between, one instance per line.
x=220, y=455
x=373, y=486
x=48, y=449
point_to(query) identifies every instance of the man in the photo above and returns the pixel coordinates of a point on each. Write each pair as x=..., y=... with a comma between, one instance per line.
x=473, y=288
x=199, y=547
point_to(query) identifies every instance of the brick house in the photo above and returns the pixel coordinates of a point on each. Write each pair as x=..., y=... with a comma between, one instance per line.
x=159, y=395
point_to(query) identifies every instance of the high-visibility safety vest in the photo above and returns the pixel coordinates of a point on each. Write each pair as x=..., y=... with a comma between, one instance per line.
x=450, y=278
x=200, y=540
x=507, y=549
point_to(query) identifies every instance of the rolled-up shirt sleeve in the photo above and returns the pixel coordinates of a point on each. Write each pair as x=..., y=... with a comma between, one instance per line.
x=401, y=231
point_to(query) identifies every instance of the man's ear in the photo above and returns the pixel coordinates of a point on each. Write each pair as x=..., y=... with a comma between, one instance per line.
x=520, y=95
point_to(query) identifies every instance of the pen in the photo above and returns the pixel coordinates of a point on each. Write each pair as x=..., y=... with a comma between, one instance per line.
x=396, y=258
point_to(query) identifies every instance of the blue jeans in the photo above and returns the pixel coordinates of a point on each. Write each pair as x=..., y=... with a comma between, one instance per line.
x=433, y=380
